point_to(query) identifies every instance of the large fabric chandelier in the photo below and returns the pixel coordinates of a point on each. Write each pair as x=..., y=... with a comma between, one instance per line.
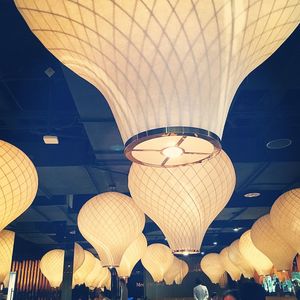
x=173, y=271
x=230, y=267
x=168, y=69
x=212, y=266
x=7, y=239
x=184, y=269
x=85, y=269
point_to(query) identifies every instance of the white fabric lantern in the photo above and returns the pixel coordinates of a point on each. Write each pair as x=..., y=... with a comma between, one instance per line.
x=104, y=279
x=212, y=266
x=229, y=266
x=184, y=269
x=172, y=272
x=78, y=257
x=85, y=269
x=7, y=239
x=93, y=277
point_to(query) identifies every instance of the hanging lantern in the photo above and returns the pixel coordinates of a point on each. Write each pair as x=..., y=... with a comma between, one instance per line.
x=157, y=259
x=269, y=242
x=93, y=277
x=131, y=256
x=52, y=266
x=260, y=262
x=230, y=268
x=237, y=259
x=172, y=272
x=285, y=217
x=78, y=257
x=212, y=266
x=183, y=201
x=184, y=269
x=18, y=183
x=110, y=222
x=169, y=69
x=85, y=269
x=104, y=279
x=7, y=239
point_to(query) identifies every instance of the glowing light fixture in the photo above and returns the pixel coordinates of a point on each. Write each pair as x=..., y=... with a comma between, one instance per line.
x=18, y=183
x=110, y=222
x=183, y=201
x=157, y=259
x=169, y=70
x=260, y=262
x=7, y=239
x=85, y=269
x=172, y=152
x=104, y=279
x=172, y=272
x=93, y=277
x=229, y=266
x=78, y=257
x=211, y=264
x=285, y=217
x=184, y=269
x=252, y=195
x=52, y=266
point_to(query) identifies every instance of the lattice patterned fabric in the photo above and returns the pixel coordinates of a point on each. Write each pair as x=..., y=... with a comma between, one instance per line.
x=52, y=266
x=157, y=259
x=184, y=269
x=7, y=239
x=172, y=272
x=285, y=217
x=78, y=257
x=260, y=262
x=131, y=256
x=85, y=269
x=230, y=267
x=18, y=183
x=110, y=222
x=237, y=259
x=212, y=266
x=163, y=63
x=268, y=241
x=183, y=201
x=93, y=278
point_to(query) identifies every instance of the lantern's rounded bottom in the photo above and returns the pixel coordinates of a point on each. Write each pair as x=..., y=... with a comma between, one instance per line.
x=186, y=252
x=172, y=146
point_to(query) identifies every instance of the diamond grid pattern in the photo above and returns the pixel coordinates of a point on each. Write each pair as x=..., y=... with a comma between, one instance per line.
x=162, y=63
x=172, y=272
x=157, y=259
x=212, y=266
x=52, y=266
x=85, y=269
x=237, y=259
x=269, y=242
x=7, y=239
x=110, y=222
x=260, y=262
x=18, y=183
x=285, y=217
x=184, y=269
x=183, y=201
x=131, y=256
x=92, y=279
x=230, y=268
x=78, y=257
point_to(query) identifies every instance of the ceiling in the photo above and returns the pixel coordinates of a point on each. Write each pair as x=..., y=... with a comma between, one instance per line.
x=89, y=158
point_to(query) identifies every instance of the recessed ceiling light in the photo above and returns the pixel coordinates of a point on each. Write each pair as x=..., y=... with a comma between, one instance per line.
x=50, y=139
x=237, y=229
x=202, y=253
x=279, y=144
x=252, y=195
x=215, y=243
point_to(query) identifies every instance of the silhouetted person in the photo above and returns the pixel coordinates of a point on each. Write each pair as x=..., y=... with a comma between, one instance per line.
x=298, y=295
x=231, y=295
x=251, y=291
x=200, y=291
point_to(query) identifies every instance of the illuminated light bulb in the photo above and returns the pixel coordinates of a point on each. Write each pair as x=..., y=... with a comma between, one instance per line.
x=285, y=217
x=172, y=152
x=52, y=266
x=172, y=272
x=78, y=257
x=110, y=222
x=18, y=183
x=85, y=269
x=229, y=266
x=157, y=259
x=184, y=269
x=268, y=241
x=212, y=266
x=169, y=69
x=237, y=259
x=93, y=277
x=183, y=201
x=260, y=262
x=7, y=239
x=131, y=256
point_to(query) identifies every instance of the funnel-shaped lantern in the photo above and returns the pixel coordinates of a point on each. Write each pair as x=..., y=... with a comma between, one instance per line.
x=18, y=183
x=7, y=239
x=85, y=269
x=260, y=262
x=212, y=266
x=183, y=201
x=157, y=259
x=93, y=278
x=168, y=69
x=172, y=272
x=230, y=267
x=78, y=257
x=131, y=256
x=110, y=222
x=269, y=242
x=238, y=259
x=104, y=279
x=52, y=266
x=184, y=269
x=285, y=217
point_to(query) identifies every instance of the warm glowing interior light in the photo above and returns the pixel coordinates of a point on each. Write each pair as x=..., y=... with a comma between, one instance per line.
x=172, y=152
x=7, y=239
x=212, y=266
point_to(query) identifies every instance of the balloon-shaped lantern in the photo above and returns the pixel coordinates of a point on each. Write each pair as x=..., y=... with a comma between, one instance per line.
x=172, y=272
x=7, y=239
x=93, y=278
x=184, y=269
x=78, y=257
x=168, y=69
x=157, y=259
x=238, y=259
x=260, y=262
x=52, y=266
x=110, y=222
x=183, y=201
x=104, y=279
x=268, y=241
x=18, y=183
x=85, y=269
x=285, y=217
x=212, y=266
x=230, y=267
x=131, y=256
